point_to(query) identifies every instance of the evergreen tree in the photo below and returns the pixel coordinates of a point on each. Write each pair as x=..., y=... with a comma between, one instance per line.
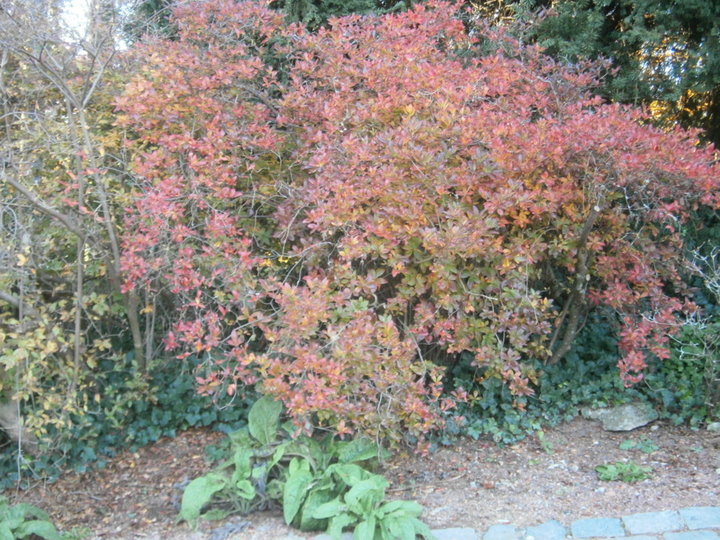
x=667, y=52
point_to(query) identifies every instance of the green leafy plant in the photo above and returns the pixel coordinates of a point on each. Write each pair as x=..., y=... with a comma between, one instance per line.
x=24, y=520
x=546, y=445
x=620, y=471
x=363, y=507
x=645, y=445
x=320, y=484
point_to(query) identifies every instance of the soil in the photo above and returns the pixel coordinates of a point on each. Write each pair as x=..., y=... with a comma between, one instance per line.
x=472, y=484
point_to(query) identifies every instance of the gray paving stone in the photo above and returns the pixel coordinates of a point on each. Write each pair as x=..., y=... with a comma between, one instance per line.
x=701, y=517
x=502, y=532
x=597, y=527
x=653, y=522
x=641, y=537
x=550, y=530
x=692, y=535
x=456, y=533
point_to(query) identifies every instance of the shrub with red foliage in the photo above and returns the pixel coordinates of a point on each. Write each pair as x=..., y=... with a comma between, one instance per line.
x=338, y=213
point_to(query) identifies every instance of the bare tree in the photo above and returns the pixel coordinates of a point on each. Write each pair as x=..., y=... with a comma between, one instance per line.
x=50, y=82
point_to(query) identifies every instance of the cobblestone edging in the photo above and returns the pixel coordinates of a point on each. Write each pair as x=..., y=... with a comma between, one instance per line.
x=694, y=523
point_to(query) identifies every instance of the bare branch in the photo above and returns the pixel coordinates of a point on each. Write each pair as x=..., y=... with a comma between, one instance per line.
x=68, y=222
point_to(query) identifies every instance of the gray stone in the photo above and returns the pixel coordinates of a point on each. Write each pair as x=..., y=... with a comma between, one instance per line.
x=714, y=426
x=456, y=533
x=653, y=522
x=11, y=422
x=550, y=530
x=325, y=536
x=502, y=532
x=641, y=537
x=597, y=527
x=623, y=417
x=692, y=535
x=701, y=517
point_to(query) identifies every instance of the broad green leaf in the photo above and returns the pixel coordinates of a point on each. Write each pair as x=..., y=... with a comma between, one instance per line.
x=360, y=449
x=423, y=530
x=274, y=489
x=409, y=508
x=245, y=489
x=197, y=494
x=296, y=488
x=350, y=473
x=216, y=514
x=264, y=418
x=298, y=464
x=241, y=460
x=316, y=498
x=241, y=437
x=13, y=519
x=259, y=472
x=329, y=509
x=5, y=532
x=43, y=529
x=278, y=455
x=400, y=528
x=23, y=510
x=365, y=530
x=366, y=494
x=338, y=523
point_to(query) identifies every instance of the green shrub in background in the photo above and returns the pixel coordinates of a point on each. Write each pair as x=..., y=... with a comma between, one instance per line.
x=683, y=389
x=126, y=413
x=588, y=375
x=686, y=387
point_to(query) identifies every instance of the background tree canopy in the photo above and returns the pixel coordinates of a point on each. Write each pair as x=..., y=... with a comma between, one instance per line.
x=664, y=53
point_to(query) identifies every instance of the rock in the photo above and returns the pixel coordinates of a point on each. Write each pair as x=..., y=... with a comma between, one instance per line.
x=623, y=417
x=12, y=423
x=714, y=426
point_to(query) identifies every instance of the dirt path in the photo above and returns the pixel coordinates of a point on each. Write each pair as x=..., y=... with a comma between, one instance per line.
x=474, y=484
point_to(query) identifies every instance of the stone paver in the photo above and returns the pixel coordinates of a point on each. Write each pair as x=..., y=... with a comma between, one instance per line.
x=692, y=535
x=701, y=517
x=501, y=532
x=653, y=522
x=597, y=528
x=550, y=530
x=456, y=533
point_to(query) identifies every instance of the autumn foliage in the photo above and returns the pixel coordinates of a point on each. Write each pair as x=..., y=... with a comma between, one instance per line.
x=337, y=215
